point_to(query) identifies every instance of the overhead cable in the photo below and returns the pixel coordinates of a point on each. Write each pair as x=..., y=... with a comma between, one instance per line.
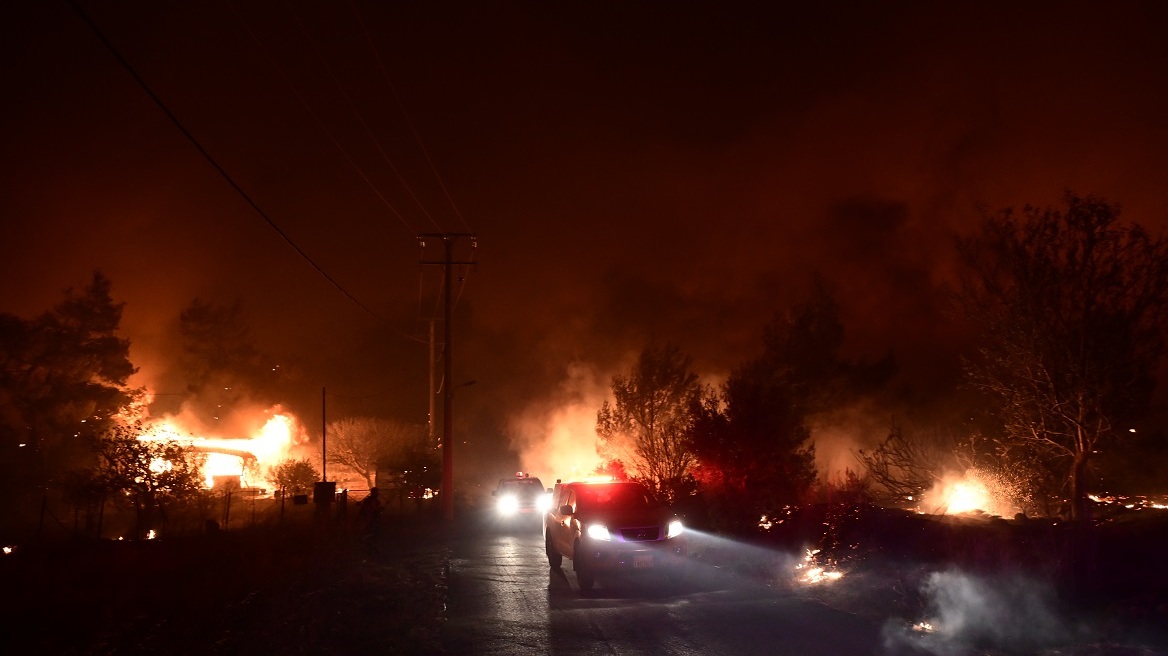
x=328, y=133
x=206, y=155
x=406, y=116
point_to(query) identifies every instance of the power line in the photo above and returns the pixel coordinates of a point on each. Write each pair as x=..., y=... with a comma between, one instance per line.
x=319, y=123
x=206, y=155
x=401, y=106
x=361, y=119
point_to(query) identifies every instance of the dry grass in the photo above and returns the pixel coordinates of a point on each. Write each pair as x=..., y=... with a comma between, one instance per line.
x=291, y=590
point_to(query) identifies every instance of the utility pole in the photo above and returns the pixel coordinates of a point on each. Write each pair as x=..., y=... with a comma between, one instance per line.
x=430, y=424
x=323, y=491
x=447, y=262
x=323, y=438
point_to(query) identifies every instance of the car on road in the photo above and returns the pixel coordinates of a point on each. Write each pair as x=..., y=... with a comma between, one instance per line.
x=521, y=498
x=612, y=527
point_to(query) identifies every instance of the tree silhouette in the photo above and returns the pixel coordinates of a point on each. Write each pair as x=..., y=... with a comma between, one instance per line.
x=753, y=438
x=220, y=361
x=646, y=426
x=147, y=475
x=294, y=476
x=63, y=379
x=362, y=443
x=1071, y=308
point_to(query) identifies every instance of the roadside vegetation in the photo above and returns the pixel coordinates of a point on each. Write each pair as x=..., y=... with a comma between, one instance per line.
x=1068, y=308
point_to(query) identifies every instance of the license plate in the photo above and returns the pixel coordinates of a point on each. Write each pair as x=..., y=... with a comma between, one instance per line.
x=640, y=561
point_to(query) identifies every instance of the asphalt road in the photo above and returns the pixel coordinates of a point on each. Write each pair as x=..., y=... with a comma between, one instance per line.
x=505, y=599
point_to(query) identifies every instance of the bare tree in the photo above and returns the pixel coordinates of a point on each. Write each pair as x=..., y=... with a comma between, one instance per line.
x=360, y=443
x=906, y=464
x=1071, y=307
x=647, y=425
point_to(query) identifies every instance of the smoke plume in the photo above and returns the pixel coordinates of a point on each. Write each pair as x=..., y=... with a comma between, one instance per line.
x=968, y=614
x=556, y=438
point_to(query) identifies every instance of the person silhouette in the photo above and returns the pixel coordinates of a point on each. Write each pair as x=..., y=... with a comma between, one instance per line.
x=370, y=511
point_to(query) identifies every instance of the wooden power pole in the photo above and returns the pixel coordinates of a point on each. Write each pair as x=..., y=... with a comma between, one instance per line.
x=447, y=262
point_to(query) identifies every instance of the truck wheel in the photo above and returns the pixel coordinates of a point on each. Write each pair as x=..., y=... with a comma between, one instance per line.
x=555, y=558
x=584, y=577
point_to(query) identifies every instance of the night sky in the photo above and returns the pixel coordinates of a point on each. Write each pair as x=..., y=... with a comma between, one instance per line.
x=676, y=171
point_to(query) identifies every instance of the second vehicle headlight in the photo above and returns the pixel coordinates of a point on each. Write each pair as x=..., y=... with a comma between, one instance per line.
x=508, y=505
x=674, y=529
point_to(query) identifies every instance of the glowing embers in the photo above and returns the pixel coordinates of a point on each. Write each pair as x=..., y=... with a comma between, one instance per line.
x=1130, y=501
x=766, y=523
x=812, y=572
x=771, y=520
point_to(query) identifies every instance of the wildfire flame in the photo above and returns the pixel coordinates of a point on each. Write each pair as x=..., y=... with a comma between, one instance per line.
x=966, y=496
x=272, y=443
x=812, y=573
x=970, y=491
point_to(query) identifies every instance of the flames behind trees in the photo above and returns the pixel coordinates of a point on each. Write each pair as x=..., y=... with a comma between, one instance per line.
x=644, y=431
x=147, y=475
x=63, y=381
x=744, y=449
x=1069, y=308
x=75, y=432
x=753, y=437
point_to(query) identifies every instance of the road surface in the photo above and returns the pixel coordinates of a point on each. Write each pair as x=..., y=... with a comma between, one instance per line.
x=505, y=599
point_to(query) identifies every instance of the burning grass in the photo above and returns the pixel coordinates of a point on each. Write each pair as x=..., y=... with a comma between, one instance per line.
x=976, y=579
x=972, y=582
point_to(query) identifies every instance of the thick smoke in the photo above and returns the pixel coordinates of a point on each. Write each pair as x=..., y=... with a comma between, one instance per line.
x=556, y=438
x=968, y=614
x=838, y=435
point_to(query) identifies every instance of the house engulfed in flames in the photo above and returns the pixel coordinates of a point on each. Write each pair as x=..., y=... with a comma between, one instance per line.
x=241, y=463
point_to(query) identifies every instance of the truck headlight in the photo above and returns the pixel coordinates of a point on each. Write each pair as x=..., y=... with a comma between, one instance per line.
x=598, y=532
x=674, y=529
x=544, y=502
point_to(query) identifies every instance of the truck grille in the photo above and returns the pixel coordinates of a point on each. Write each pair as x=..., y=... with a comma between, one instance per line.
x=643, y=534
